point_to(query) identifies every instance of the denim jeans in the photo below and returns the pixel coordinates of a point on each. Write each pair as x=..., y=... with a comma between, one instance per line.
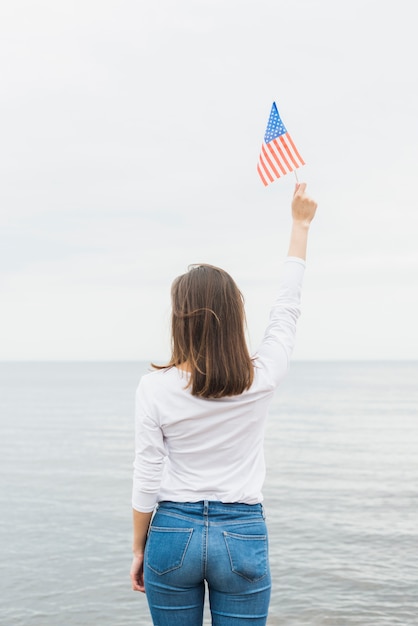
x=225, y=545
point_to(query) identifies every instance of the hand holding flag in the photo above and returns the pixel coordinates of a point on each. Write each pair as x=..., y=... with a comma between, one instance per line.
x=278, y=155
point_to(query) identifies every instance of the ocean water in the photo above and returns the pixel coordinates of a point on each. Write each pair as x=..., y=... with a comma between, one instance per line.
x=341, y=495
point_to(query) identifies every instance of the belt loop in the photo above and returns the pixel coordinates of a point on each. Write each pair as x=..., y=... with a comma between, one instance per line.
x=205, y=507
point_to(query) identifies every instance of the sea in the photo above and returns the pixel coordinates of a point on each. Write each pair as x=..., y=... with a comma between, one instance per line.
x=341, y=494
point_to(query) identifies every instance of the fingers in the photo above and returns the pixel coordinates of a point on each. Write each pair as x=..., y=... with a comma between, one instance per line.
x=303, y=206
x=300, y=194
x=137, y=574
x=138, y=584
x=299, y=189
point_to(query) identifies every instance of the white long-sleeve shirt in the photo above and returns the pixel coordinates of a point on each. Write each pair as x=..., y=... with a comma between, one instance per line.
x=188, y=448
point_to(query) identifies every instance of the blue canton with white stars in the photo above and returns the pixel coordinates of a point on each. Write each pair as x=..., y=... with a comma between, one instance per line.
x=275, y=126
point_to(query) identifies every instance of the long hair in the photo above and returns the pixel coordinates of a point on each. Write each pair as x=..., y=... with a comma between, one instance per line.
x=208, y=332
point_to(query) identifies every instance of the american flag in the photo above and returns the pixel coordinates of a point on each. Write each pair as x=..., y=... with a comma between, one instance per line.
x=278, y=155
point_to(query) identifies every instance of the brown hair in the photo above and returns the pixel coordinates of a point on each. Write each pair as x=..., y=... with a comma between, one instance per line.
x=208, y=321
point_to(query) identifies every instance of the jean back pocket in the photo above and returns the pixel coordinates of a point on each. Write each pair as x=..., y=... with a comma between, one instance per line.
x=248, y=555
x=166, y=548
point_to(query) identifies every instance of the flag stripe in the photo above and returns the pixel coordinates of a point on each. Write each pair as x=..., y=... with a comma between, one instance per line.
x=276, y=158
x=265, y=182
x=282, y=155
x=269, y=161
x=290, y=140
x=290, y=155
x=265, y=168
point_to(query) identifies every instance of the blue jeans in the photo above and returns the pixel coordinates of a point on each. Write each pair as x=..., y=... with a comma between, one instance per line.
x=224, y=544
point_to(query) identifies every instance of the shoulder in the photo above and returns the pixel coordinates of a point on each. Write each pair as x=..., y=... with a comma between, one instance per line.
x=158, y=379
x=160, y=390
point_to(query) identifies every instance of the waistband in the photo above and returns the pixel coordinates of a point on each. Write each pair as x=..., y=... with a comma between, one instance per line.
x=212, y=507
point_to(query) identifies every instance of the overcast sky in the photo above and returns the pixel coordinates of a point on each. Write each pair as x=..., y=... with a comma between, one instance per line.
x=130, y=133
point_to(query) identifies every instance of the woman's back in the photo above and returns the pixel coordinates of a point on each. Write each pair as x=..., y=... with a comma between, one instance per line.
x=191, y=448
x=213, y=447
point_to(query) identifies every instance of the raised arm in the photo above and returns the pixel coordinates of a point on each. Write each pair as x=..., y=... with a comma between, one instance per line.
x=277, y=345
x=303, y=212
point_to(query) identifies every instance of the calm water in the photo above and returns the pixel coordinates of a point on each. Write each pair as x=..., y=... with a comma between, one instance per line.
x=341, y=495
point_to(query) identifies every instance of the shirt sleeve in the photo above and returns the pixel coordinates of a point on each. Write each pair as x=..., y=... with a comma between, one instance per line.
x=276, y=348
x=149, y=455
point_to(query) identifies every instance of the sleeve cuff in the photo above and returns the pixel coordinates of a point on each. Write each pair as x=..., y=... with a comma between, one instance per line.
x=144, y=502
x=295, y=259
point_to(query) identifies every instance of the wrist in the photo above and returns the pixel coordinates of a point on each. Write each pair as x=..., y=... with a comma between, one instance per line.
x=301, y=225
x=138, y=555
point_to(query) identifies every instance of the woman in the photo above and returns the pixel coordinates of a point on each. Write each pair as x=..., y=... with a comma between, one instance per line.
x=199, y=447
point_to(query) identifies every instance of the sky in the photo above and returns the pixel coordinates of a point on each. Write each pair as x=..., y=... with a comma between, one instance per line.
x=130, y=133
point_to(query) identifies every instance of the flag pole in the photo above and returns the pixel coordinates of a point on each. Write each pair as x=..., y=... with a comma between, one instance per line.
x=296, y=176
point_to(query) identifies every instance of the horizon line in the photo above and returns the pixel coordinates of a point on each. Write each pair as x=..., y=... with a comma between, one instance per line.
x=142, y=360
